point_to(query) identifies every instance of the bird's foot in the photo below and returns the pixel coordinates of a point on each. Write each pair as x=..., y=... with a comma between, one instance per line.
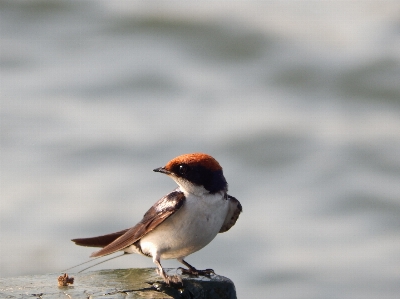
x=195, y=272
x=171, y=280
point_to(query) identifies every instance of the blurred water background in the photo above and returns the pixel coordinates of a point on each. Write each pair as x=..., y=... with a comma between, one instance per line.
x=298, y=100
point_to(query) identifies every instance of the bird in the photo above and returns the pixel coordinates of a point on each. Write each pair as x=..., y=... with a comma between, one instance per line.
x=180, y=223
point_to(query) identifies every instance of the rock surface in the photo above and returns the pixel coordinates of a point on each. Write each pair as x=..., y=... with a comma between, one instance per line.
x=122, y=283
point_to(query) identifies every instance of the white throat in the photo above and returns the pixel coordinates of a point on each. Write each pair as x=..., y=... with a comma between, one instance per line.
x=188, y=187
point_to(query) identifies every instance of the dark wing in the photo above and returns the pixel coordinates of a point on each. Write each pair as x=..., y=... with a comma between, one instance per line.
x=235, y=208
x=99, y=241
x=160, y=211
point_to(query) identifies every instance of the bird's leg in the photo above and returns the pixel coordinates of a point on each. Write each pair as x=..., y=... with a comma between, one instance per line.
x=174, y=280
x=193, y=271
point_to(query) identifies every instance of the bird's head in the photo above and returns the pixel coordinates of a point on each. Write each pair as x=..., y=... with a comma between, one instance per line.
x=196, y=173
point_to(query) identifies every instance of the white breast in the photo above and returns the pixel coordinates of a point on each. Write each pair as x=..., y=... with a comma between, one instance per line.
x=191, y=228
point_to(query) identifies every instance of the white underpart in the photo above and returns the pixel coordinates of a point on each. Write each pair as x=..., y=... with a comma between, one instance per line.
x=189, y=229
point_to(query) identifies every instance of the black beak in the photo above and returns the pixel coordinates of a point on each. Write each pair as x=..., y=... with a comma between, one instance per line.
x=162, y=170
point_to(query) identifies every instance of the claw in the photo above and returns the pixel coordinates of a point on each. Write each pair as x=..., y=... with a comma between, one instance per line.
x=195, y=272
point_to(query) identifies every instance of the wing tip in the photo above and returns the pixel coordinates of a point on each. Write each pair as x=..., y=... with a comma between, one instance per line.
x=79, y=242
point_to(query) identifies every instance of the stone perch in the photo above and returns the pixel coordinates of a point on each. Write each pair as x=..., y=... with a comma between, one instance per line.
x=122, y=283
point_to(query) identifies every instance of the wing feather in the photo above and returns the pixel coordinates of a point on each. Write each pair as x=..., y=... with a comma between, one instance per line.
x=160, y=211
x=99, y=241
x=235, y=208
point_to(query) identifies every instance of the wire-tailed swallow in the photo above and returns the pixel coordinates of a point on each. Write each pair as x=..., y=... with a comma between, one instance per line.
x=182, y=222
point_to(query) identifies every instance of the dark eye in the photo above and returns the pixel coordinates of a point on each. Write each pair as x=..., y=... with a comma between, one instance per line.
x=183, y=169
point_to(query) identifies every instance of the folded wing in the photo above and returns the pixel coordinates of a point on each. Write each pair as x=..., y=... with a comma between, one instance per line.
x=235, y=208
x=100, y=241
x=114, y=242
